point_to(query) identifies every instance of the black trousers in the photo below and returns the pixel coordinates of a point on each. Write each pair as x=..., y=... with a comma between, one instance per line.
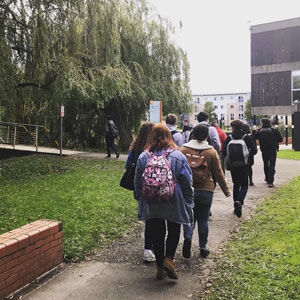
x=161, y=247
x=239, y=177
x=110, y=145
x=269, y=158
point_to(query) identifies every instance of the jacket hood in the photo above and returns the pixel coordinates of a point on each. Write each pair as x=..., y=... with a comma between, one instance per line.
x=171, y=127
x=238, y=134
x=194, y=144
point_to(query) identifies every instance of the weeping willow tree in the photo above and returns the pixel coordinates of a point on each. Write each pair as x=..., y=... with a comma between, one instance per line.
x=96, y=57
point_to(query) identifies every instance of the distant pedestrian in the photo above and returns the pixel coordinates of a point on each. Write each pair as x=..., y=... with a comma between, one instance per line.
x=136, y=148
x=236, y=151
x=222, y=137
x=168, y=206
x=204, y=162
x=246, y=129
x=269, y=139
x=111, y=133
x=186, y=131
x=171, y=121
x=213, y=137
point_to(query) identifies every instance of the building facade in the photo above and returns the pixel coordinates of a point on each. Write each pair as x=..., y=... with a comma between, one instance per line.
x=228, y=107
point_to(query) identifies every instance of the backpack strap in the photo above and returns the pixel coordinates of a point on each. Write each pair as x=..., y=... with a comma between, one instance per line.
x=168, y=151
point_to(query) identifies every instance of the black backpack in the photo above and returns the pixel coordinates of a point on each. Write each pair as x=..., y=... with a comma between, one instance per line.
x=114, y=131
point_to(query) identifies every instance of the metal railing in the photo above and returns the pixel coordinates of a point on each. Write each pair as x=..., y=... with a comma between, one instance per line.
x=20, y=134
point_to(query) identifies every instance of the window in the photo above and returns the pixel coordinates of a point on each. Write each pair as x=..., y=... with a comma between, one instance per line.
x=231, y=106
x=196, y=118
x=296, y=85
x=196, y=108
x=241, y=99
x=241, y=116
x=231, y=116
x=215, y=98
x=198, y=100
x=222, y=116
x=241, y=108
x=222, y=106
x=222, y=98
x=216, y=107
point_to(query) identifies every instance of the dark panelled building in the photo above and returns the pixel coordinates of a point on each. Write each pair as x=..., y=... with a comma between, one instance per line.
x=275, y=69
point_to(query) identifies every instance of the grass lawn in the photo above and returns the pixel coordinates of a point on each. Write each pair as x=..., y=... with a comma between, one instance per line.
x=289, y=154
x=82, y=193
x=262, y=262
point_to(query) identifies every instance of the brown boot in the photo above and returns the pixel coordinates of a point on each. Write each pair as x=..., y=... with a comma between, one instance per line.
x=168, y=266
x=160, y=273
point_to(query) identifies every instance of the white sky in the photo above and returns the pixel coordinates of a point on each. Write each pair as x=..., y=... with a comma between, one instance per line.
x=216, y=37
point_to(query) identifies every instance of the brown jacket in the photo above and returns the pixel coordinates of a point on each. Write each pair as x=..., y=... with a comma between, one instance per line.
x=214, y=166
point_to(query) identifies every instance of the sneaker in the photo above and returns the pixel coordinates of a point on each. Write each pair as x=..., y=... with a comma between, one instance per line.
x=237, y=209
x=271, y=185
x=251, y=184
x=160, y=273
x=266, y=180
x=168, y=266
x=118, y=155
x=107, y=156
x=148, y=256
x=204, y=252
x=186, y=249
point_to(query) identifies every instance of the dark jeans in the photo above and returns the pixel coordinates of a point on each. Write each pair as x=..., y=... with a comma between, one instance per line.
x=148, y=240
x=110, y=145
x=269, y=159
x=203, y=201
x=239, y=177
x=158, y=234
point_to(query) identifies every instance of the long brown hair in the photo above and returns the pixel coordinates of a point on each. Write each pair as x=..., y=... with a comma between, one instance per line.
x=139, y=144
x=160, y=138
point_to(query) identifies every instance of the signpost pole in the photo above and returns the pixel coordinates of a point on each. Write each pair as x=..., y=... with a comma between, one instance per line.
x=62, y=114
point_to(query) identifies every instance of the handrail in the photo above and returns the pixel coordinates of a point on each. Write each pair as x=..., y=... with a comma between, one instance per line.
x=11, y=135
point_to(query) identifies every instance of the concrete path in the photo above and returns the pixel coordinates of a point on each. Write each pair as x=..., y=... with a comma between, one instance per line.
x=117, y=272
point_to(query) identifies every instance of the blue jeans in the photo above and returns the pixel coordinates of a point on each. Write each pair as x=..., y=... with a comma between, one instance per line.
x=203, y=201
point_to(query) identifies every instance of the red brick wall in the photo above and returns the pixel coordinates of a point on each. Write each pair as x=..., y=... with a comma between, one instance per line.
x=28, y=252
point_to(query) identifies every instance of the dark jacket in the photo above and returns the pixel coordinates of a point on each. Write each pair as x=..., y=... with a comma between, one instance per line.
x=251, y=155
x=238, y=135
x=269, y=139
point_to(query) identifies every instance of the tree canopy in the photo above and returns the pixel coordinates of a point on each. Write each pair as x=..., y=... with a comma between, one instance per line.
x=210, y=110
x=95, y=57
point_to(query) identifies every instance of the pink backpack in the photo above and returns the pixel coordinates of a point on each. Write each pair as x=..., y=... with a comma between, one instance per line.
x=157, y=178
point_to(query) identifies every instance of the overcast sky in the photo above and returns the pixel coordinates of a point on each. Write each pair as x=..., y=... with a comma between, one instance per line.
x=216, y=37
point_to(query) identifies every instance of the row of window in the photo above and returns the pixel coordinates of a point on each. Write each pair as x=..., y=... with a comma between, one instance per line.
x=197, y=100
x=241, y=107
x=232, y=117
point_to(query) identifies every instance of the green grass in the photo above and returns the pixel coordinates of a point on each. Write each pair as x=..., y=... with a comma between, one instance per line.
x=84, y=194
x=289, y=154
x=263, y=260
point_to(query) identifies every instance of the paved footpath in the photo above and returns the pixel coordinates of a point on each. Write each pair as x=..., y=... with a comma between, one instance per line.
x=117, y=271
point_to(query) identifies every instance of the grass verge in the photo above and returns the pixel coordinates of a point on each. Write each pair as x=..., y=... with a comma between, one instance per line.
x=84, y=194
x=289, y=154
x=262, y=262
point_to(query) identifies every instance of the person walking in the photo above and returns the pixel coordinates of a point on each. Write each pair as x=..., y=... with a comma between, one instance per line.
x=269, y=139
x=236, y=150
x=213, y=137
x=204, y=161
x=171, y=121
x=186, y=131
x=111, y=133
x=164, y=206
x=246, y=129
x=222, y=138
x=136, y=148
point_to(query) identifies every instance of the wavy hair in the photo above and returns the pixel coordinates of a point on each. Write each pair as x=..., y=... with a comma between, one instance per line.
x=160, y=138
x=139, y=143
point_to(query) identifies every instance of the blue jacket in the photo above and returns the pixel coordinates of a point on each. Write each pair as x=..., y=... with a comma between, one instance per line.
x=179, y=209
